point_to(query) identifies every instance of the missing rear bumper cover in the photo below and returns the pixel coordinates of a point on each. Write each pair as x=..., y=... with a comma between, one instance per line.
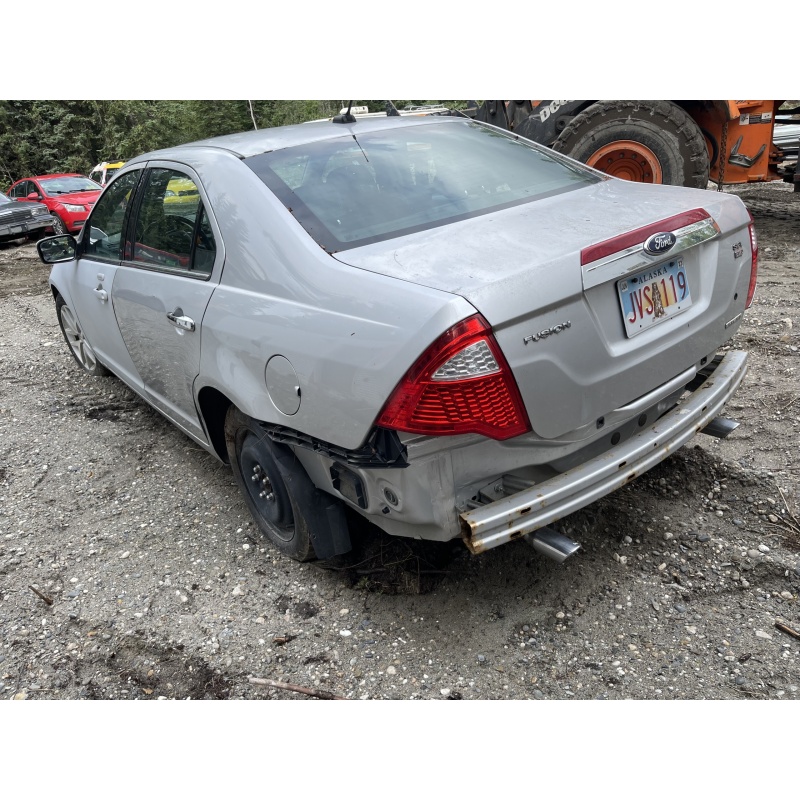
x=382, y=450
x=502, y=521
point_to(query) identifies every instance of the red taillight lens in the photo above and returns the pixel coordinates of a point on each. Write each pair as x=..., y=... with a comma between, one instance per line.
x=460, y=384
x=751, y=290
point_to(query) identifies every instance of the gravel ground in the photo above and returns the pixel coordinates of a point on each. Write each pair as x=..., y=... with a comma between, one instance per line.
x=130, y=568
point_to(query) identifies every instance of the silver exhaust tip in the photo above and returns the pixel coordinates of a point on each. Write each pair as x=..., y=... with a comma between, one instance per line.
x=552, y=544
x=720, y=427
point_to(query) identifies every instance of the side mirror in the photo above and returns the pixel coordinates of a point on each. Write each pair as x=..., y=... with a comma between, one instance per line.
x=54, y=249
x=34, y=196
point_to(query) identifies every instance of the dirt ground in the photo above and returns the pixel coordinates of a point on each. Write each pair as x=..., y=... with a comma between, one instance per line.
x=130, y=568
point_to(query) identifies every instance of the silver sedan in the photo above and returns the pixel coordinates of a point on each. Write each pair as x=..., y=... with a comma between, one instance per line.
x=450, y=330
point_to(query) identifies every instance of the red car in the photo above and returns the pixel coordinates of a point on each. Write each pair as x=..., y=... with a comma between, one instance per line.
x=69, y=197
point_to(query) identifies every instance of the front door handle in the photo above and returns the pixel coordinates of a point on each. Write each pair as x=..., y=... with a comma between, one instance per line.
x=102, y=294
x=178, y=319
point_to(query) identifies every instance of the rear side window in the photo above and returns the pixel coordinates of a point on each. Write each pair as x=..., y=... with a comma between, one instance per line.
x=357, y=189
x=172, y=230
x=106, y=223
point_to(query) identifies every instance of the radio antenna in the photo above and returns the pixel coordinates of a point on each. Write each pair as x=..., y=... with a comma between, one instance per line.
x=347, y=116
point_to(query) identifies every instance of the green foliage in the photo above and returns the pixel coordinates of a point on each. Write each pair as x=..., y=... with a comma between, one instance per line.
x=38, y=137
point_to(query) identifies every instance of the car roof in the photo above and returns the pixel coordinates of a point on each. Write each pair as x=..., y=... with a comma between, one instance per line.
x=253, y=143
x=53, y=175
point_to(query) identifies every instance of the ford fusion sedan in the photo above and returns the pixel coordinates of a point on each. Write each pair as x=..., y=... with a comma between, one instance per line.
x=70, y=197
x=427, y=321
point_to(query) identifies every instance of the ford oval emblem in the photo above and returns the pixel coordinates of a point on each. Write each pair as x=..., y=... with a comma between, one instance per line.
x=659, y=243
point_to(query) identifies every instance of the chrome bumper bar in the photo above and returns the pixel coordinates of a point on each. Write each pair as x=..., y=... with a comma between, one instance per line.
x=524, y=512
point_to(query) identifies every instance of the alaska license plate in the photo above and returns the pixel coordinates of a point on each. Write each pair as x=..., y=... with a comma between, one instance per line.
x=653, y=295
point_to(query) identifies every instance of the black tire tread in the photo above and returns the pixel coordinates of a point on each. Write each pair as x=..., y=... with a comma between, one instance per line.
x=665, y=114
x=300, y=547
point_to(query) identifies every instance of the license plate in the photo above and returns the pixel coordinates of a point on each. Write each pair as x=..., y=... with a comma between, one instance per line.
x=653, y=295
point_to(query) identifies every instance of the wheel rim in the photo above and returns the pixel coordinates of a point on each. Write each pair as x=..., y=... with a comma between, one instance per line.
x=629, y=160
x=266, y=493
x=76, y=340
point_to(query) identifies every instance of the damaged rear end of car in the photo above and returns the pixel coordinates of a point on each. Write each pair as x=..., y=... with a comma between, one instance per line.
x=591, y=358
x=591, y=351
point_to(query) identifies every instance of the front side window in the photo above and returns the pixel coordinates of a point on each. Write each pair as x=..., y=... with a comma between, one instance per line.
x=172, y=229
x=107, y=221
x=23, y=189
x=357, y=189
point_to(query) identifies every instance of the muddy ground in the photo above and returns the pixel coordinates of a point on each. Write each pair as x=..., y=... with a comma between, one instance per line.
x=129, y=567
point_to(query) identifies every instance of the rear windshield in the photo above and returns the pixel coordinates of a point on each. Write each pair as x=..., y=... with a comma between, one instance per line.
x=363, y=188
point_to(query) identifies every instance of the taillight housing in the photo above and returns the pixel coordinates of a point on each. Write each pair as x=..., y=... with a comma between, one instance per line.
x=751, y=290
x=461, y=384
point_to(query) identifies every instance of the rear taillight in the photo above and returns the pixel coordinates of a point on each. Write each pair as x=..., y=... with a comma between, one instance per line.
x=751, y=290
x=460, y=384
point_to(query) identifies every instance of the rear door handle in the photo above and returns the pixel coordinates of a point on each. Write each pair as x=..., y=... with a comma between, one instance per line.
x=178, y=319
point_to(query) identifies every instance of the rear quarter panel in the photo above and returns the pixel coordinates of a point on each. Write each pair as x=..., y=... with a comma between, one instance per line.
x=350, y=335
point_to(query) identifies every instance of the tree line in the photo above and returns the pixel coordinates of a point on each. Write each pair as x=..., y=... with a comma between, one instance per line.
x=38, y=137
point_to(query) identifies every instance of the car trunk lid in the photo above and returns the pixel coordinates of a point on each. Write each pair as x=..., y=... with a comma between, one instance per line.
x=547, y=276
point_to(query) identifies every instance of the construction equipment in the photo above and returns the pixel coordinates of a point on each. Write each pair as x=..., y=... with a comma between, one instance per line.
x=679, y=142
x=104, y=171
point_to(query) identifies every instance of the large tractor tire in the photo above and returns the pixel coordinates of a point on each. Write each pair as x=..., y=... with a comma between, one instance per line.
x=638, y=140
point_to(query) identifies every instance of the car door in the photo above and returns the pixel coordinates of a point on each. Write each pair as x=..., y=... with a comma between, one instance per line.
x=161, y=292
x=33, y=188
x=100, y=253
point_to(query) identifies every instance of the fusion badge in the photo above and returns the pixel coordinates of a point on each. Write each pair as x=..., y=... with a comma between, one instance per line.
x=547, y=332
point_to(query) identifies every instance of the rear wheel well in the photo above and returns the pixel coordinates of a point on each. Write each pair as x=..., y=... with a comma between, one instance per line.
x=213, y=408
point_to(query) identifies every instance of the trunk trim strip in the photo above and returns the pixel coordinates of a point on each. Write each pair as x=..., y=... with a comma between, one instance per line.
x=639, y=235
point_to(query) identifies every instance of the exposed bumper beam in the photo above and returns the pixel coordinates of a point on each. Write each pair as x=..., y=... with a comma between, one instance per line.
x=522, y=513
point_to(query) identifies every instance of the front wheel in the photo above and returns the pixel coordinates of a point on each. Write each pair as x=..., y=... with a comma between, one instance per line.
x=80, y=348
x=637, y=140
x=58, y=225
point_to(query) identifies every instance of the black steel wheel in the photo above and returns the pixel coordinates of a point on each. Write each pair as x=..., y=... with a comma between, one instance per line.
x=80, y=348
x=639, y=140
x=254, y=462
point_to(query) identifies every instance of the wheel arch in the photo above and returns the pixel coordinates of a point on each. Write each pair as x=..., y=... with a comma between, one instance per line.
x=214, y=406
